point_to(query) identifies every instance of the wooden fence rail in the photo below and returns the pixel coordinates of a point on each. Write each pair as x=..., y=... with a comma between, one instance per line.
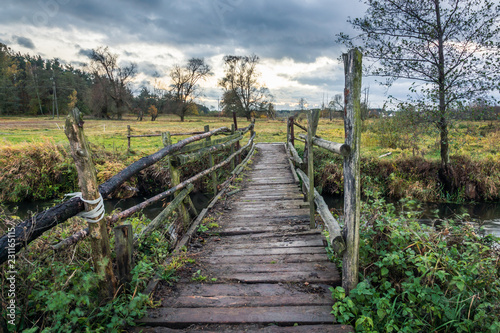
x=345, y=241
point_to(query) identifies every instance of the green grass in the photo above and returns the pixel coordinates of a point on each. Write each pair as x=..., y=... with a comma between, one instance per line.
x=478, y=139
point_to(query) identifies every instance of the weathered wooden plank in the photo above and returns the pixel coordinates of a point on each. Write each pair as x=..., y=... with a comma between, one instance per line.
x=275, y=210
x=277, y=268
x=270, y=251
x=266, y=196
x=241, y=294
x=264, y=222
x=272, y=236
x=182, y=317
x=273, y=244
x=266, y=259
x=222, y=301
x=283, y=277
x=328, y=328
x=239, y=289
x=271, y=183
x=299, y=215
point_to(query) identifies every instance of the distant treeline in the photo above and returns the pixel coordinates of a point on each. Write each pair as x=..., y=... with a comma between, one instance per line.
x=31, y=85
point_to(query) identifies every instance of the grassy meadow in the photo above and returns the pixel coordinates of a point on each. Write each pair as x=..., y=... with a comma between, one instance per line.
x=478, y=139
x=36, y=164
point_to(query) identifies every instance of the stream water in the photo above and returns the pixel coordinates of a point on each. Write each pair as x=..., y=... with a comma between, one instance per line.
x=485, y=214
x=24, y=209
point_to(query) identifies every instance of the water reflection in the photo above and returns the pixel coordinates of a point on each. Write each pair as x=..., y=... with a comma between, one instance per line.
x=487, y=214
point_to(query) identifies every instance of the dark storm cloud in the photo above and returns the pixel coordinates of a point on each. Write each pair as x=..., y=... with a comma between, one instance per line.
x=23, y=41
x=85, y=52
x=148, y=69
x=301, y=30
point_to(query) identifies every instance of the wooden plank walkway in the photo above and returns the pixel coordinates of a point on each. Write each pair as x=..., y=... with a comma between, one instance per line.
x=266, y=270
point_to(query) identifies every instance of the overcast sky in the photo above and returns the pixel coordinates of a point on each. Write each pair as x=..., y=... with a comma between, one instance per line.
x=295, y=39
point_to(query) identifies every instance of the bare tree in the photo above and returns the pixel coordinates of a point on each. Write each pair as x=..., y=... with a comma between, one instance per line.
x=112, y=78
x=184, y=86
x=302, y=104
x=336, y=104
x=242, y=91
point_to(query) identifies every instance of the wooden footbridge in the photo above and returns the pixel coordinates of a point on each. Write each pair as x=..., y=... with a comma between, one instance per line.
x=264, y=268
x=263, y=265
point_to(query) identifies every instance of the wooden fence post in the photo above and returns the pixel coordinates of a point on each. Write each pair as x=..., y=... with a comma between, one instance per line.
x=232, y=148
x=87, y=181
x=124, y=249
x=128, y=137
x=287, y=132
x=175, y=179
x=211, y=162
x=352, y=125
x=292, y=131
x=235, y=121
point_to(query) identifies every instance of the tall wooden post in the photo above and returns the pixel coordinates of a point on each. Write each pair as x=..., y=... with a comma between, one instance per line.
x=211, y=162
x=312, y=125
x=352, y=125
x=287, y=132
x=232, y=148
x=175, y=179
x=235, y=121
x=128, y=137
x=292, y=131
x=87, y=181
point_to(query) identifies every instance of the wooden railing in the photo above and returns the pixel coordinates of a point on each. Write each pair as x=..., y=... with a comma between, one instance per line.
x=344, y=241
x=188, y=150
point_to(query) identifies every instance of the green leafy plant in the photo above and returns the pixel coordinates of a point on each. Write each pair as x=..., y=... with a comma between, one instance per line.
x=416, y=279
x=197, y=276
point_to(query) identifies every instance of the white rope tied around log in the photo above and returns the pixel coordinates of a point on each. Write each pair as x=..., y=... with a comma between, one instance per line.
x=91, y=215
